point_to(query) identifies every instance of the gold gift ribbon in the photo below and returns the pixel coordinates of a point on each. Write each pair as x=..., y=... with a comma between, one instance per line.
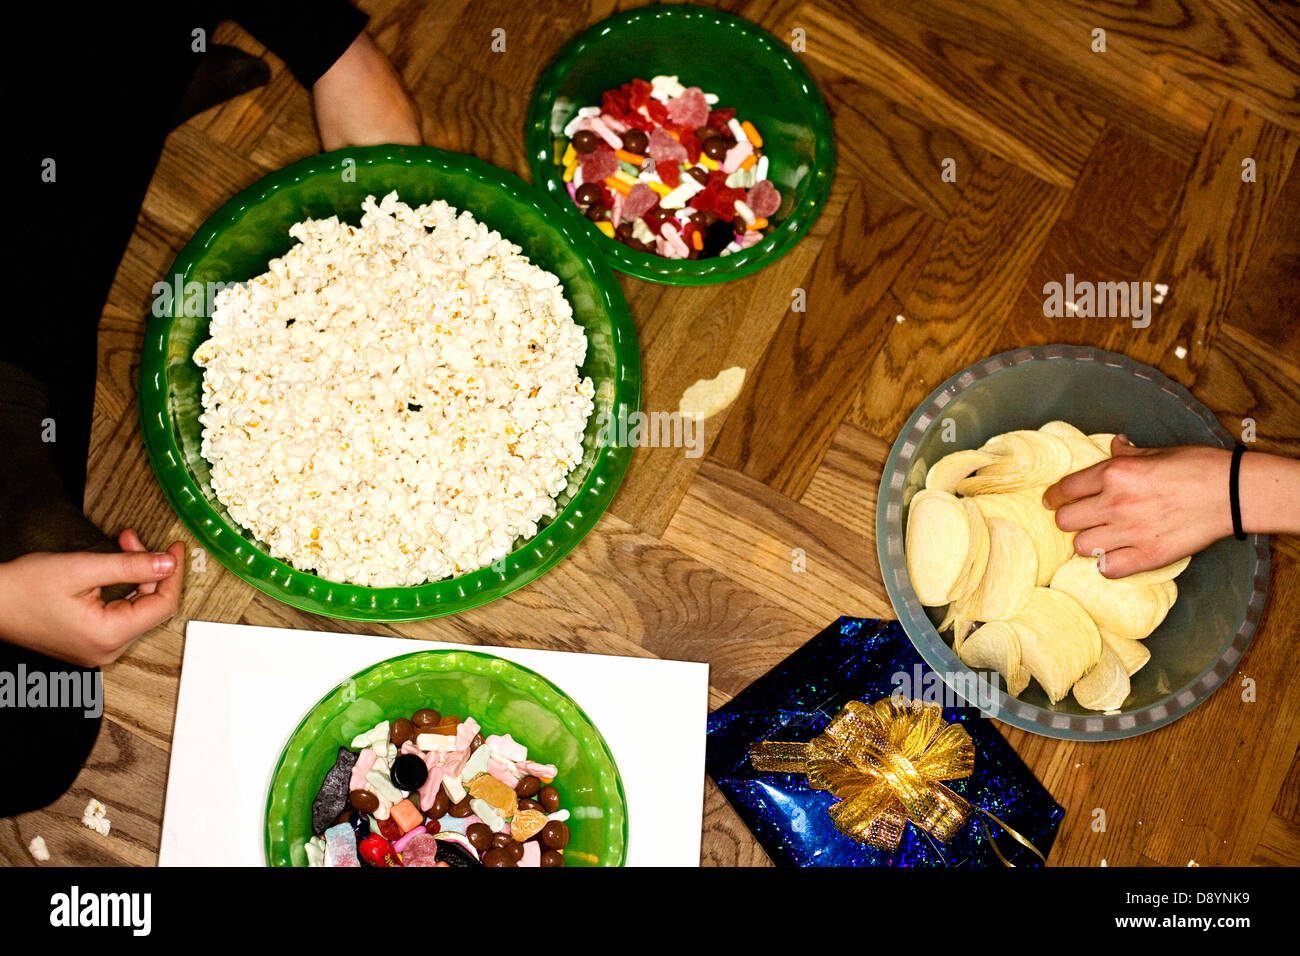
x=885, y=762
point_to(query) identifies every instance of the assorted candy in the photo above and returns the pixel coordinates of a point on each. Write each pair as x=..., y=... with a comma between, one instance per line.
x=661, y=168
x=431, y=790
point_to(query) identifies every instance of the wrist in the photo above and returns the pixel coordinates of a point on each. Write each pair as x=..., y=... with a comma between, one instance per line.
x=1269, y=490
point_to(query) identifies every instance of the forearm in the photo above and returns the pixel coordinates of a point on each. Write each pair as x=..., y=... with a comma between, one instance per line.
x=1269, y=490
x=361, y=101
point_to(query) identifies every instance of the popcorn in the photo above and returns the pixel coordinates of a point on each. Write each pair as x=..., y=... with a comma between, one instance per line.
x=94, y=817
x=37, y=848
x=394, y=402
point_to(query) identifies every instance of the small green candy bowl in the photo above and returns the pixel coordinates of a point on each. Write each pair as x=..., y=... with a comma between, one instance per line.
x=503, y=697
x=720, y=53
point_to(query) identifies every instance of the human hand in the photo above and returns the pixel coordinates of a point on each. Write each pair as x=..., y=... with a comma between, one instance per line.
x=52, y=601
x=1145, y=508
x=360, y=101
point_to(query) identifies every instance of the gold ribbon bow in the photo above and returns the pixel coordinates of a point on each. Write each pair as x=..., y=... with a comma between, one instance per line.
x=886, y=761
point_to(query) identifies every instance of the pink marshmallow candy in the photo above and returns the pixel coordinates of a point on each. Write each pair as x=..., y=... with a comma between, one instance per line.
x=503, y=770
x=543, y=771
x=466, y=733
x=365, y=760
x=429, y=790
x=736, y=155
x=506, y=747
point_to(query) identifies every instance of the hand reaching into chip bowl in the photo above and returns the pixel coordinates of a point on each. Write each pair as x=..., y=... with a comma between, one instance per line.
x=1144, y=508
x=1054, y=552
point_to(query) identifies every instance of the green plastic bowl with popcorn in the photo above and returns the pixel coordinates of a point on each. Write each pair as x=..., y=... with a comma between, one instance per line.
x=250, y=231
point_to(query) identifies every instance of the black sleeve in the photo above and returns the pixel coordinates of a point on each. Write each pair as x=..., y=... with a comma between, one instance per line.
x=309, y=35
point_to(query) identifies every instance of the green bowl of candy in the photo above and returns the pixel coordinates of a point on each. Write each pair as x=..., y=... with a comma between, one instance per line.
x=237, y=243
x=746, y=68
x=504, y=697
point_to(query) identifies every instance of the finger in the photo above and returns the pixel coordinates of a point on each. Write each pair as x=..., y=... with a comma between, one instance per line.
x=1080, y=515
x=128, y=540
x=1121, y=447
x=1102, y=538
x=169, y=588
x=1125, y=561
x=91, y=570
x=1081, y=484
x=127, y=620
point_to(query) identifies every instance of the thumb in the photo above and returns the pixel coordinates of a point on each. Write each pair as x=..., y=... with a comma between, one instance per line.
x=129, y=567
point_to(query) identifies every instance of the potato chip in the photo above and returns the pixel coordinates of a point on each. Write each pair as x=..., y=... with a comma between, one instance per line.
x=1025, y=508
x=1102, y=440
x=1158, y=575
x=997, y=646
x=1009, y=576
x=1106, y=686
x=977, y=554
x=1043, y=660
x=1027, y=459
x=709, y=396
x=937, y=544
x=1123, y=609
x=950, y=469
x=1083, y=452
x=1069, y=644
x=1133, y=654
x=961, y=625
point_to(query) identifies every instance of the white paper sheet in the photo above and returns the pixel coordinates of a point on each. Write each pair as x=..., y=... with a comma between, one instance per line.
x=244, y=690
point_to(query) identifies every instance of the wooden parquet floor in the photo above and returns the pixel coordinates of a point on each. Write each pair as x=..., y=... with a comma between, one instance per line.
x=1122, y=165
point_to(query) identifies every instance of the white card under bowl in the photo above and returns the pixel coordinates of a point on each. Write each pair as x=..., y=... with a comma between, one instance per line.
x=244, y=690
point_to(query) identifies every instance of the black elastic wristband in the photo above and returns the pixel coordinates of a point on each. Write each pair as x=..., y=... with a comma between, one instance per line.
x=1234, y=494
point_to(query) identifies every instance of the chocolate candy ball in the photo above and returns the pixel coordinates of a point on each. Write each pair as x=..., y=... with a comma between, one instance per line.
x=502, y=841
x=636, y=141
x=424, y=720
x=587, y=193
x=716, y=148
x=526, y=804
x=441, y=804
x=552, y=858
x=479, y=836
x=549, y=798
x=462, y=809
x=529, y=785
x=584, y=141
x=699, y=174
x=516, y=849
x=498, y=857
x=364, y=800
x=555, y=835
x=596, y=212
x=477, y=742
x=402, y=731
x=408, y=772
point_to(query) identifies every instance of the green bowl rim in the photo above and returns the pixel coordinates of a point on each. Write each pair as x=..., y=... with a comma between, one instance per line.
x=528, y=561
x=444, y=652
x=643, y=265
x=939, y=654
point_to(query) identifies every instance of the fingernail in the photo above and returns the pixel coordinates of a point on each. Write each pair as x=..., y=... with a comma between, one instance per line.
x=1123, y=439
x=163, y=562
